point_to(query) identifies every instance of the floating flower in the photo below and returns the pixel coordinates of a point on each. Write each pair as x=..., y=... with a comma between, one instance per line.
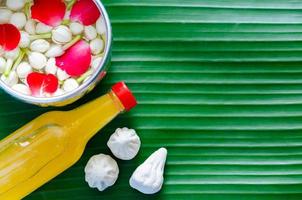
x=100, y=26
x=21, y=88
x=9, y=37
x=61, y=35
x=11, y=79
x=76, y=28
x=48, y=12
x=5, y=15
x=62, y=75
x=37, y=60
x=25, y=40
x=39, y=83
x=85, y=11
x=76, y=60
x=30, y=27
x=18, y=19
x=2, y=65
x=23, y=69
x=55, y=50
x=70, y=85
x=96, y=46
x=42, y=28
x=15, y=4
x=51, y=67
x=40, y=45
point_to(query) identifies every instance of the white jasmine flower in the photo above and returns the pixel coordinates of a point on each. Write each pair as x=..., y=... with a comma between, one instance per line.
x=23, y=69
x=5, y=15
x=25, y=39
x=55, y=50
x=62, y=75
x=11, y=80
x=2, y=65
x=90, y=32
x=37, y=60
x=22, y=89
x=30, y=27
x=43, y=28
x=96, y=62
x=15, y=4
x=40, y=45
x=76, y=28
x=96, y=46
x=61, y=35
x=70, y=85
x=51, y=67
x=101, y=26
x=18, y=19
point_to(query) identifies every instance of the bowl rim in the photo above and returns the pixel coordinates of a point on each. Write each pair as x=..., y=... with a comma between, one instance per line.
x=85, y=85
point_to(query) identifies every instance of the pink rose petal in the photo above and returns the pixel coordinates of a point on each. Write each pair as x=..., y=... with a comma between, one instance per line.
x=9, y=36
x=50, y=12
x=85, y=11
x=76, y=60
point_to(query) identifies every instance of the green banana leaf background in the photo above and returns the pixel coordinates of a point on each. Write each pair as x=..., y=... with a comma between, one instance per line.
x=219, y=84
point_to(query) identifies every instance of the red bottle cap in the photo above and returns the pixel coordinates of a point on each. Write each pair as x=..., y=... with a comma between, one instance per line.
x=124, y=95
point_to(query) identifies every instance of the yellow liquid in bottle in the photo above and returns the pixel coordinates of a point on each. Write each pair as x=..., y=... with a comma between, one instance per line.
x=50, y=144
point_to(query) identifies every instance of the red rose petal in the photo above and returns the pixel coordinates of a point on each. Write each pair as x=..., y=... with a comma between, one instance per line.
x=41, y=83
x=51, y=83
x=35, y=81
x=9, y=36
x=76, y=60
x=48, y=12
x=85, y=11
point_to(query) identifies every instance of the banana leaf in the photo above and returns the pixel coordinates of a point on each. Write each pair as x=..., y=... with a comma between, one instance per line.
x=219, y=84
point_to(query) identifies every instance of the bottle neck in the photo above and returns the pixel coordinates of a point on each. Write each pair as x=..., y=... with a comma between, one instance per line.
x=88, y=119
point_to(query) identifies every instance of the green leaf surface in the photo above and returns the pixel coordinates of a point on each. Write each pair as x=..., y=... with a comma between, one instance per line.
x=219, y=84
